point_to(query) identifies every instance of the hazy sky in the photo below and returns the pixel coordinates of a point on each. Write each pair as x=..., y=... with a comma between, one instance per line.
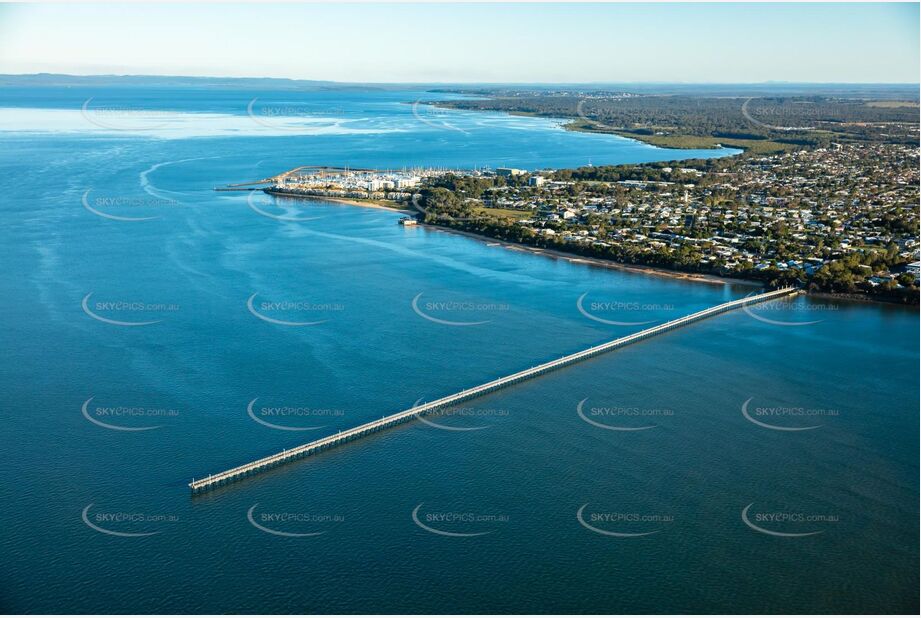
x=470, y=42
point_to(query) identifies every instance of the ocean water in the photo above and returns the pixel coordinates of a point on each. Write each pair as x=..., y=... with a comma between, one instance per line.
x=139, y=354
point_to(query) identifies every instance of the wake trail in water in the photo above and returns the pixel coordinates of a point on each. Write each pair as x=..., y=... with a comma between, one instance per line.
x=444, y=261
x=155, y=191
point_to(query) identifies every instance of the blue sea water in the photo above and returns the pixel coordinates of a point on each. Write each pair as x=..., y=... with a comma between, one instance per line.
x=639, y=510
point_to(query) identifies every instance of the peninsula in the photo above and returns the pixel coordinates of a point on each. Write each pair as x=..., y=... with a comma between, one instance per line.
x=840, y=220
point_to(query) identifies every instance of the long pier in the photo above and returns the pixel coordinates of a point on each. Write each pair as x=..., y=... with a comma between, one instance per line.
x=214, y=480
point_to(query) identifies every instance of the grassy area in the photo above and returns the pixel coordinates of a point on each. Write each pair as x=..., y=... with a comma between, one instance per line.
x=342, y=200
x=517, y=215
x=364, y=200
x=678, y=141
x=687, y=141
x=386, y=203
x=892, y=104
x=691, y=122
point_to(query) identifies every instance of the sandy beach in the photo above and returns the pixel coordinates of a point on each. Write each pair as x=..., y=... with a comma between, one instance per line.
x=591, y=261
x=345, y=200
x=551, y=253
x=600, y=262
x=646, y=270
x=369, y=204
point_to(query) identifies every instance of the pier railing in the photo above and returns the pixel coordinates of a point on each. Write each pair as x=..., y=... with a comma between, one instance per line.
x=286, y=455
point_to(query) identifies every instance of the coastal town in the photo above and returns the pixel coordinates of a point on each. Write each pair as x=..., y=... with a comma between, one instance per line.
x=322, y=181
x=840, y=219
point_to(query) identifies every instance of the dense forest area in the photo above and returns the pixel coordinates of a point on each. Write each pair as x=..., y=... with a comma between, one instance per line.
x=764, y=124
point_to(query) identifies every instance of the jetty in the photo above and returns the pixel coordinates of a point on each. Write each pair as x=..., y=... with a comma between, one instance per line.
x=255, y=467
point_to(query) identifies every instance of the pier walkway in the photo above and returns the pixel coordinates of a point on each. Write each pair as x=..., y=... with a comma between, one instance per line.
x=227, y=476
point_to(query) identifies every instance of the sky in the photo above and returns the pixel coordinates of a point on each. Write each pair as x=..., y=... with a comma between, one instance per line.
x=529, y=43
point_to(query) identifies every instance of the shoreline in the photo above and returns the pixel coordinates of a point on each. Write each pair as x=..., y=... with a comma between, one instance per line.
x=598, y=262
x=571, y=123
x=861, y=298
x=590, y=261
x=356, y=202
x=703, y=142
x=344, y=200
x=656, y=271
x=550, y=253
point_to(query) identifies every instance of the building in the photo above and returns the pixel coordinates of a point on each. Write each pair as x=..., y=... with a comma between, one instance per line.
x=509, y=171
x=407, y=183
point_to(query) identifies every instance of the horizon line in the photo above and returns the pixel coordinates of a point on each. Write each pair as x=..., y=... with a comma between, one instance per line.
x=484, y=83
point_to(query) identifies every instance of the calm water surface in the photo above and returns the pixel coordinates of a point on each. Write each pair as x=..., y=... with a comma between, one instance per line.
x=634, y=506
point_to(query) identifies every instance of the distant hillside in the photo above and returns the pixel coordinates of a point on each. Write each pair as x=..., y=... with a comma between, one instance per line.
x=172, y=81
x=907, y=92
